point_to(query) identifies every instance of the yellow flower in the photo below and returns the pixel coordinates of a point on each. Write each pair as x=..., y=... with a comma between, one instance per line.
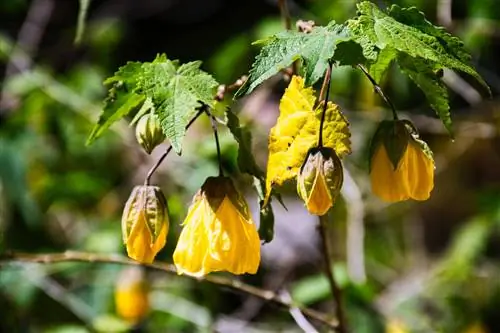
x=131, y=295
x=319, y=180
x=402, y=166
x=218, y=233
x=145, y=223
x=395, y=326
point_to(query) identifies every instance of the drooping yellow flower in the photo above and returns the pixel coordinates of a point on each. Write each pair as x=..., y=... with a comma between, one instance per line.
x=131, y=295
x=219, y=233
x=319, y=180
x=402, y=166
x=145, y=223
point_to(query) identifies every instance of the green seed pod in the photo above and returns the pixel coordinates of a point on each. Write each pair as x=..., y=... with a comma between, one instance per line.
x=320, y=179
x=145, y=223
x=148, y=132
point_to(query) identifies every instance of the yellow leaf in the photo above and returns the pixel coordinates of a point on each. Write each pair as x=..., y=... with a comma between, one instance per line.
x=297, y=131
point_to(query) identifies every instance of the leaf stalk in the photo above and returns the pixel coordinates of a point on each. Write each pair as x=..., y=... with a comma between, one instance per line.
x=325, y=90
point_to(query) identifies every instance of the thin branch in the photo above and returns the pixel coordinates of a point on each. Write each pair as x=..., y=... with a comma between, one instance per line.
x=213, y=121
x=222, y=281
x=379, y=91
x=285, y=15
x=219, y=96
x=335, y=289
x=28, y=40
x=297, y=315
x=169, y=149
x=325, y=90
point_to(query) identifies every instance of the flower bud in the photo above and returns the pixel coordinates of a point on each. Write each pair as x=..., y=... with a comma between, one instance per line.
x=145, y=223
x=131, y=295
x=148, y=132
x=320, y=179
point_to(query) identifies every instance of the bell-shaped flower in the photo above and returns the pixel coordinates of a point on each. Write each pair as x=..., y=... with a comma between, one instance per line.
x=219, y=233
x=131, y=295
x=320, y=179
x=401, y=165
x=145, y=223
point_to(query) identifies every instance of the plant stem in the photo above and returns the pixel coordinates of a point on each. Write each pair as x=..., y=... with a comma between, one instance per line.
x=285, y=15
x=334, y=287
x=213, y=121
x=379, y=91
x=218, y=97
x=222, y=281
x=169, y=149
x=325, y=91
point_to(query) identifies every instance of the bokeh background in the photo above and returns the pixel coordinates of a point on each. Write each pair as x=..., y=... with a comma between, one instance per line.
x=429, y=266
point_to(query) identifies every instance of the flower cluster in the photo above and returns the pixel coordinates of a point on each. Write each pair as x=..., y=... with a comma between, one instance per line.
x=218, y=235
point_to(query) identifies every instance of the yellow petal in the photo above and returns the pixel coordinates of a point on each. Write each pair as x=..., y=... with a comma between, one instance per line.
x=420, y=173
x=388, y=184
x=319, y=200
x=190, y=252
x=234, y=242
x=139, y=242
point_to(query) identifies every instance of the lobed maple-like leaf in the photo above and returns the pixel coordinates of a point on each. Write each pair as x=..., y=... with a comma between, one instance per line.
x=279, y=51
x=426, y=77
x=421, y=50
x=297, y=131
x=174, y=90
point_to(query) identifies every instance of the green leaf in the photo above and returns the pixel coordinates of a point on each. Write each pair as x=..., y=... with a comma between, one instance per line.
x=176, y=92
x=247, y=164
x=384, y=60
x=425, y=77
x=314, y=49
x=116, y=106
x=408, y=32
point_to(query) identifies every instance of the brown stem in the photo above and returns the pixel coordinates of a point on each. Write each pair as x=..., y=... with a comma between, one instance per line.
x=325, y=91
x=219, y=96
x=379, y=91
x=334, y=287
x=222, y=281
x=169, y=149
x=285, y=15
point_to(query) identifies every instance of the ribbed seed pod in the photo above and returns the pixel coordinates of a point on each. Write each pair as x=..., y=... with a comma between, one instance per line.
x=320, y=179
x=145, y=223
x=148, y=132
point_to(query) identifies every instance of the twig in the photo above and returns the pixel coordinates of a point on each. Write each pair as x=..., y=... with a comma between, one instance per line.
x=297, y=315
x=28, y=40
x=325, y=90
x=223, y=89
x=235, y=285
x=444, y=16
x=285, y=15
x=169, y=149
x=335, y=289
x=379, y=91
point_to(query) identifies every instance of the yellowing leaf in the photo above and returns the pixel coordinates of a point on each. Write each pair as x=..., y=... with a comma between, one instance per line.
x=297, y=131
